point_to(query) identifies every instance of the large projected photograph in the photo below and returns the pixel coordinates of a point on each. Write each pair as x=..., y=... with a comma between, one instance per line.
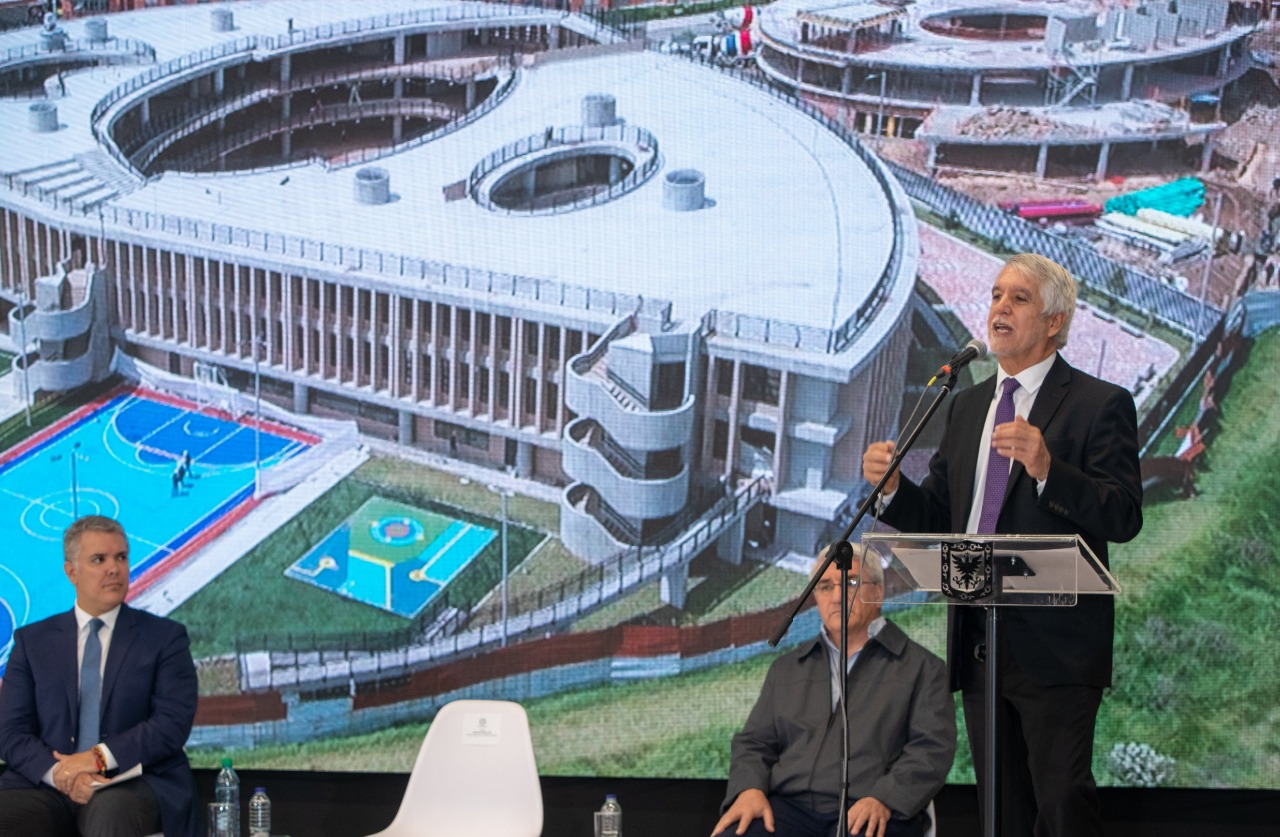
x=437, y=349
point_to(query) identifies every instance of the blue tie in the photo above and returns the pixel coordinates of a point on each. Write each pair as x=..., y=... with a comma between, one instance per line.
x=997, y=465
x=90, y=688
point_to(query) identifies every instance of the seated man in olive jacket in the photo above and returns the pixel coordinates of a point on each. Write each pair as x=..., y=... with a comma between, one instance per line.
x=785, y=772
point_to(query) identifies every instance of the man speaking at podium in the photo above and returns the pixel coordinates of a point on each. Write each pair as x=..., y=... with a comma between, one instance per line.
x=1040, y=448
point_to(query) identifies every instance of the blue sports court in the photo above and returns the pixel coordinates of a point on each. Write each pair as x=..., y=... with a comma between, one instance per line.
x=392, y=555
x=118, y=458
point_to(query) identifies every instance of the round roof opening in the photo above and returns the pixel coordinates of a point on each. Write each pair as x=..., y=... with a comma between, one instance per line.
x=565, y=169
x=982, y=24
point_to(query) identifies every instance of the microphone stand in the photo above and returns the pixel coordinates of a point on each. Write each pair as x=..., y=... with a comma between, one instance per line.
x=841, y=552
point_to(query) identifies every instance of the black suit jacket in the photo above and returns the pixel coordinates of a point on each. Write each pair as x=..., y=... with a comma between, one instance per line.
x=1094, y=489
x=148, y=706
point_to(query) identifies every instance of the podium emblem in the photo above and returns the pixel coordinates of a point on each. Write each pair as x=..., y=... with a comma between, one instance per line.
x=967, y=570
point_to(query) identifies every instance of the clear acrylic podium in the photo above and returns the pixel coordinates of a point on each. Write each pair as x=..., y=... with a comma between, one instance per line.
x=989, y=571
x=1026, y=570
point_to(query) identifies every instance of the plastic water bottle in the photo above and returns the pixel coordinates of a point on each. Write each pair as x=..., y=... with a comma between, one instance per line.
x=228, y=790
x=610, y=817
x=259, y=814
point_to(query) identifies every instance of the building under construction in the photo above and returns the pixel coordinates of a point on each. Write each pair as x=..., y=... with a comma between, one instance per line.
x=1043, y=81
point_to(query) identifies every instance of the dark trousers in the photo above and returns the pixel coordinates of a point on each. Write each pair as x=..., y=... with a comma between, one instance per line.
x=1046, y=750
x=792, y=819
x=128, y=810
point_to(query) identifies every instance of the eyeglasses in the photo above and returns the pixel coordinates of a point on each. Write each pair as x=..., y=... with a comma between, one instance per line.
x=826, y=588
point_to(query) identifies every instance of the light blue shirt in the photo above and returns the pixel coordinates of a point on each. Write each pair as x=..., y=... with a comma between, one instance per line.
x=833, y=655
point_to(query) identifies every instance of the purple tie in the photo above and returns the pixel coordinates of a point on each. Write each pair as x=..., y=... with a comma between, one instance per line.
x=997, y=465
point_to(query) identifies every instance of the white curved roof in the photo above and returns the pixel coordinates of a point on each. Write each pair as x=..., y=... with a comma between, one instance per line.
x=799, y=230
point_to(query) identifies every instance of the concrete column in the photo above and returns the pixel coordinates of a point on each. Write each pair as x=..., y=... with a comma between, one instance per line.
x=931, y=165
x=453, y=352
x=492, y=371
x=781, y=442
x=301, y=399
x=471, y=94
x=1224, y=60
x=286, y=69
x=341, y=330
x=1126, y=86
x=975, y=90
x=735, y=406
x=219, y=80
x=729, y=544
x=398, y=48
x=224, y=307
x=359, y=351
x=395, y=347
x=846, y=80
x=415, y=363
x=404, y=432
x=540, y=379
x=145, y=111
x=322, y=334
x=286, y=138
x=397, y=129
x=1206, y=154
x=674, y=586
x=517, y=371
x=473, y=363
x=524, y=460
x=1104, y=153
x=553, y=37
x=1042, y=161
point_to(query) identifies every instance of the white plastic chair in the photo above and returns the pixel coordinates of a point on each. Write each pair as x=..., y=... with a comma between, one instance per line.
x=475, y=776
x=933, y=821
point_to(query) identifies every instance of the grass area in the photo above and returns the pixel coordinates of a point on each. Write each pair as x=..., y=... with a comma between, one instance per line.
x=253, y=604
x=1196, y=676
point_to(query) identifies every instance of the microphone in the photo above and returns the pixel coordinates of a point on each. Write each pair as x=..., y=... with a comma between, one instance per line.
x=975, y=349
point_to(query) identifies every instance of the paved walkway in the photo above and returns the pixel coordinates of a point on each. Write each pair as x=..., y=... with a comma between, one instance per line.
x=1099, y=344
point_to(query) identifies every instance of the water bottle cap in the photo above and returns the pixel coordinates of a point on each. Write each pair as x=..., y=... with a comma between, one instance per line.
x=611, y=796
x=259, y=790
x=226, y=762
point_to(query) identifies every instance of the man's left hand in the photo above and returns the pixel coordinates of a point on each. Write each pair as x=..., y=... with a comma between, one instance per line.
x=70, y=768
x=84, y=786
x=1021, y=440
x=869, y=817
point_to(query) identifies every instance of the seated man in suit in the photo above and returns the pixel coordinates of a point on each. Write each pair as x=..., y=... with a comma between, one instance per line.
x=92, y=693
x=784, y=776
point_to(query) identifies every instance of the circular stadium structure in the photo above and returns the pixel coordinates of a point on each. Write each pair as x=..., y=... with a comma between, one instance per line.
x=1030, y=78
x=506, y=234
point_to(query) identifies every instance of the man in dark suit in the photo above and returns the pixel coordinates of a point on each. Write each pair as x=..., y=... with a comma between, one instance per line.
x=1065, y=445
x=90, y=697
